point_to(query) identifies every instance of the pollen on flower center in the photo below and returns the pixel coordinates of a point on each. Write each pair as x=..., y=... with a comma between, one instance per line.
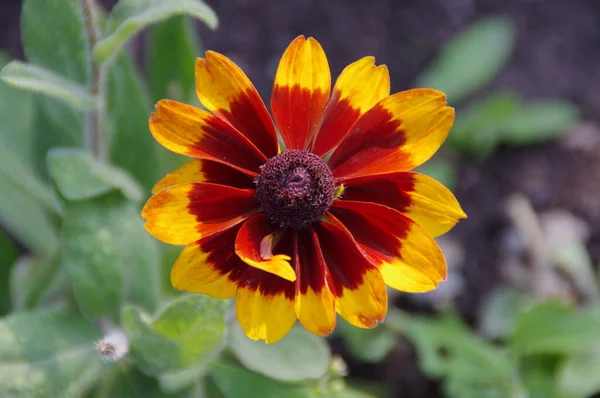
x=295, y=188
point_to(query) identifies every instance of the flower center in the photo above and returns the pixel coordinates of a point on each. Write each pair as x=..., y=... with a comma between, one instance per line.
x=295, y=188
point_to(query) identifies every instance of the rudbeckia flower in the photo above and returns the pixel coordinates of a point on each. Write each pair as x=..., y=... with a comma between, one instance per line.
x=319, y=226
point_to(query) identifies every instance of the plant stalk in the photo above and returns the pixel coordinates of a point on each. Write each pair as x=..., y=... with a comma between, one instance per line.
x=95, y=123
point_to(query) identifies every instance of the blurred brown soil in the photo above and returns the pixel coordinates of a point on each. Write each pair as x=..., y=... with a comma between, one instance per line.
x=557, y=56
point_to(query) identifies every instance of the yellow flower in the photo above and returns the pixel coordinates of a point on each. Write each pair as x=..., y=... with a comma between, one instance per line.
x=291, y=235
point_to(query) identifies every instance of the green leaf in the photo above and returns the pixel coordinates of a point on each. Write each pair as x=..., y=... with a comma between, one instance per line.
x=578, y=377
x=188, y=333
x=537, y=373
x=25, y=218
x=25, y=197
x=109, y=257
x=38, y=282
x=236, y=382
x=16, y=145
x=130, y=382
x=54, y=125
x=21, y=175
x=90, y=253
x=79, y=176
x=8, y=256
x=479, y=128
x=555, y=328
x=368, y=345
x=539, y=121
x=54, y=37
x=169, y=255
x=447, y=348
x=179, y=380
x=172, y=50
x=140, y=257
x=129, y=17
x=17, y=115
x=500, y=312
x=132, y=147
x=37, y=79
x=47, y=355
x=283, y=360
x=471, y=59
x=350, y=393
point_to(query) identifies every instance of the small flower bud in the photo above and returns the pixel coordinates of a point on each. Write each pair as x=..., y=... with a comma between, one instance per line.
x=113, y=346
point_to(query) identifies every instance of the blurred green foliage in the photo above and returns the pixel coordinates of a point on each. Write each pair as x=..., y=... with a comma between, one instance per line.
x=465, y=67
x=86, y=264
x=76, y=262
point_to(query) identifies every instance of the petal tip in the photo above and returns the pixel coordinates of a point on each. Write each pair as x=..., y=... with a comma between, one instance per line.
x=299, y=38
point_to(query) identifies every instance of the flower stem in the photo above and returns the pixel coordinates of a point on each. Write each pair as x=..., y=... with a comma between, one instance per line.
x=95, y=119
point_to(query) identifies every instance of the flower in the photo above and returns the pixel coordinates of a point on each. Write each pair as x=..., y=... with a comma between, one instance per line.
x=321, y=226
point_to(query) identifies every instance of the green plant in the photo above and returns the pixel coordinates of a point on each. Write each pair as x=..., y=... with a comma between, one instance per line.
x=87, y=305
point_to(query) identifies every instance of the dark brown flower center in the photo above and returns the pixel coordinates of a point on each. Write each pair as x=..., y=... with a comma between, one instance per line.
x=295, y=188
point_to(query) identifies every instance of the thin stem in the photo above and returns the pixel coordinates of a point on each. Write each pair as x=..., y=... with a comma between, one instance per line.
x=95, y=122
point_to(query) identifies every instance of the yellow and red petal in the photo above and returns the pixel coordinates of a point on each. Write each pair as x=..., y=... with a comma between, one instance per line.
x=399, y=133
x=361, y=296
x=300, y=92
x=255, y=243
x=193, y=132
x=209, y=266
x=265, y=305
x=203, y=170
x=186, y=213
x=415, y=195
x=224, y=89
x=406, y=254
x=315, y=303
x=358, y=88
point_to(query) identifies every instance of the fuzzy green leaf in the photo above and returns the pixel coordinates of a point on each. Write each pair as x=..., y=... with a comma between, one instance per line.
x=283, y=360
x=132, y=147
x=47, y=355
x=40, y=80
x=55, y=37
x=188, y=333
x=38, y=282
x=26, y=218
x=90, y=253
x=131, y=16
x=236, y=382
x=22, y=176
x=17, y=115
x=110, y=258
x=130, y=382
x=79, y=176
